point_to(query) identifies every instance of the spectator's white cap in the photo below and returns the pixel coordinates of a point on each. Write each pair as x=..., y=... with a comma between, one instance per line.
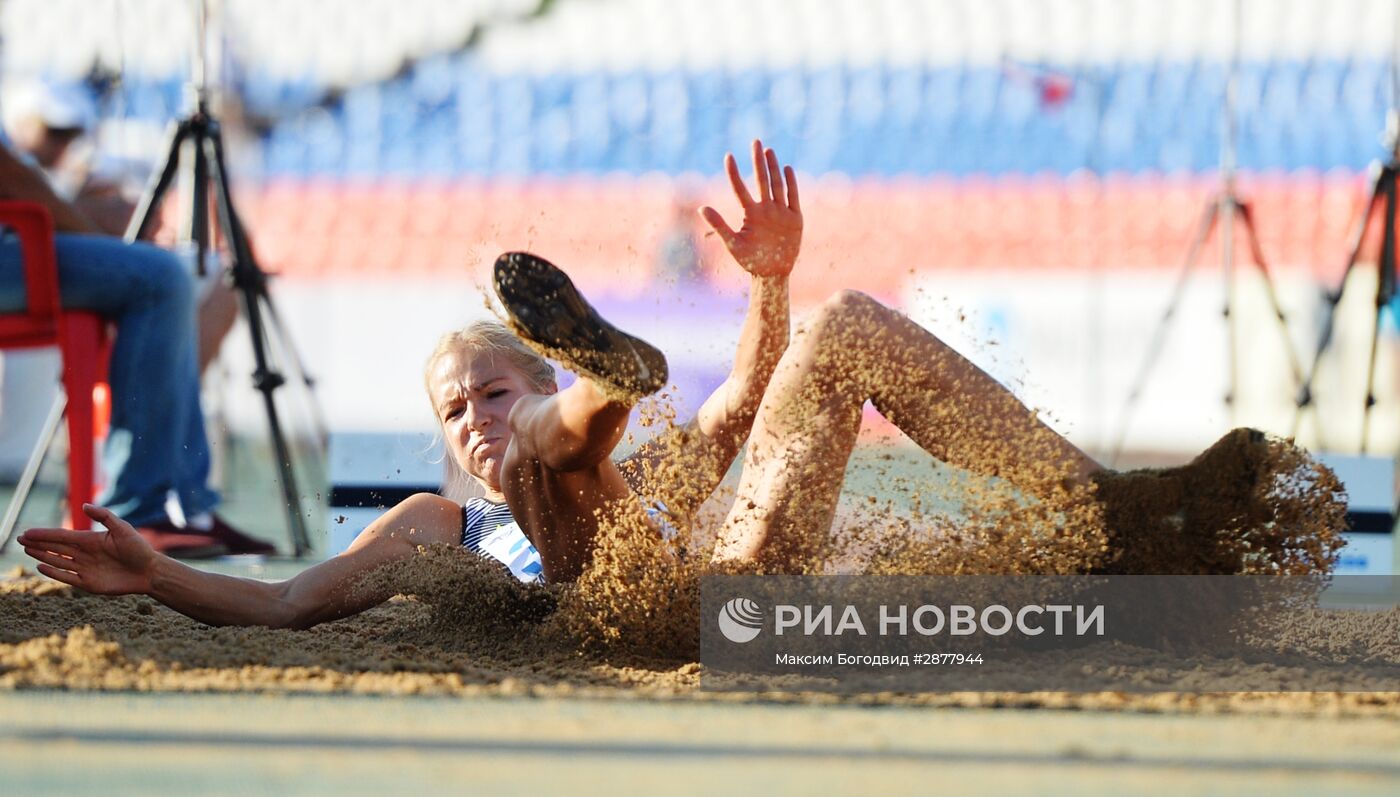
x=59, y=106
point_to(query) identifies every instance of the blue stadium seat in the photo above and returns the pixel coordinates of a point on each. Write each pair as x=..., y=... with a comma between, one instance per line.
x=452, y=115
x=262, y=95
x=1363, y=86
x=363, y=111
x=362, y=157
x=148, y=100
x=979, y=90
x=590, y=122
x=285, y=152
x=629, y=107
x=708, y=121
x=787, y=98
x=824, y=124
x=433, y=80
x=397, y=156
x=513, y=100
x=472, y=85
x=942, y=92
x=746, y=88
x=1132, y=87
x=670, y=121
x=399, y=117
x=1282, y=89
x=552, y=92
x=552, y=141
x=1322, y=85
x=325, y=145
x=904, y=94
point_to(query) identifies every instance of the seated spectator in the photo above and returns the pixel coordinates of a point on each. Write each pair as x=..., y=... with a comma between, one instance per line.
x=156, y=445
x=49, y=124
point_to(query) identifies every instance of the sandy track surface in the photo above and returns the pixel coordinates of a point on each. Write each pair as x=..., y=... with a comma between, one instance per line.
x=61, y=743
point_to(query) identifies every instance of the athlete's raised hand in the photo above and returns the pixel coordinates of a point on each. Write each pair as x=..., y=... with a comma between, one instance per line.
x=770, y=236
x=114, y=562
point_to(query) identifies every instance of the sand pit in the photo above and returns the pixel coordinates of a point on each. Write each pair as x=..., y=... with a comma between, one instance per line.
x=626, y=631
x=629, y=629
x=60, y=638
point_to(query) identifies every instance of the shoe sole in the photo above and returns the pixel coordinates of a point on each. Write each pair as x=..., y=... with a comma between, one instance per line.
x=547, y=311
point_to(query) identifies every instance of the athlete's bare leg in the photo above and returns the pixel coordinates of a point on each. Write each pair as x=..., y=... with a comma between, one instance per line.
x=852, y=350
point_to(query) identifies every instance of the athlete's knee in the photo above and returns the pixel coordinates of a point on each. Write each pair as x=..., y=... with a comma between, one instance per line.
x=849, y=300
x=849, y=306
x=844, y=313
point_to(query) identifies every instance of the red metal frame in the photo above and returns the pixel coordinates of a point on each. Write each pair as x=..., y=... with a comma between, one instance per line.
x=81, y=338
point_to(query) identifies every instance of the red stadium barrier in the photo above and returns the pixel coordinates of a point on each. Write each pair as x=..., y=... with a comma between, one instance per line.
x=867, y=234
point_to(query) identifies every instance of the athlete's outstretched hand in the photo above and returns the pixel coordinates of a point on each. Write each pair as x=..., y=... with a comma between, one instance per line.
x=114, y=562
x=767, y=242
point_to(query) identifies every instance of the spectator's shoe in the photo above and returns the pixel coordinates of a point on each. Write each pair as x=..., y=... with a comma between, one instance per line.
x=181, y=543
x=236, y=541
x=549, y=313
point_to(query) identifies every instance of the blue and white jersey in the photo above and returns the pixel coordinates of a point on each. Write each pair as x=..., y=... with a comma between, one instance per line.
x=488, y=529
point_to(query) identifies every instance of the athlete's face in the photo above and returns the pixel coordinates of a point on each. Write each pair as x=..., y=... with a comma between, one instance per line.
x=473, y=393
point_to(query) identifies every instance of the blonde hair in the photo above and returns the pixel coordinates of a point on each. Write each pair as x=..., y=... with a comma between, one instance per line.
x=493, y=338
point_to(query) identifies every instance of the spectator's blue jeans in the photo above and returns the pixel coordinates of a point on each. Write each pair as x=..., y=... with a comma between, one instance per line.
x=156, y=443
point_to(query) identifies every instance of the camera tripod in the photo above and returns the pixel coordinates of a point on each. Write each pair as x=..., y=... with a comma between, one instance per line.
x=199, y=137
x=1382, y=196
x=208, y=179
x=1221, y=212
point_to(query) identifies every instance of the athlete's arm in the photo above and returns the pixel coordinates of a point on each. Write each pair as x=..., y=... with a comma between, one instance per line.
x=766, y=246
x=120, y=562
x=19, y=181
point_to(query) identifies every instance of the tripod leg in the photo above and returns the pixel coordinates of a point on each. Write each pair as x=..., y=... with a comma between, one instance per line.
x=1257, y=254
x=152, y=197
x=248, y=279
x=1159, y=335
x=1385, y=291
x=197, y=223
x=286, y=343
x=277, y=327
x=31, y=468
x=1329, y=324
x=1228, y=206
x=1371, y=377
